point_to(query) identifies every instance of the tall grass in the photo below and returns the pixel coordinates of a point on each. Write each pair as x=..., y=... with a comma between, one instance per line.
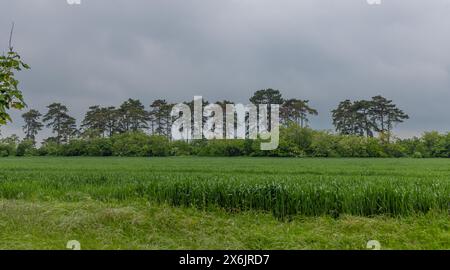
x=284, y=187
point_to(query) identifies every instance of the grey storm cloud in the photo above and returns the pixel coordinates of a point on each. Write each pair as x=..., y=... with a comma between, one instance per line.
x=104, y=51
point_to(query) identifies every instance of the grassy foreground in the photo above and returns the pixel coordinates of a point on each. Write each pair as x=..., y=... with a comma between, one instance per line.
x=49, y=225
x=224, y=203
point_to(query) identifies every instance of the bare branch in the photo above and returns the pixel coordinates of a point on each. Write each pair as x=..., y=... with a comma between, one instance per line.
x=10, y=37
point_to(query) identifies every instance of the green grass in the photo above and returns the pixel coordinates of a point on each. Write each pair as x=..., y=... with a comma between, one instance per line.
x=285, y=187
x=224, y=203
x=49, y=225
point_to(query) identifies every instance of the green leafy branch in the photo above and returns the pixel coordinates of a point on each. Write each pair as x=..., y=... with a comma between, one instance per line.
x=10, y=95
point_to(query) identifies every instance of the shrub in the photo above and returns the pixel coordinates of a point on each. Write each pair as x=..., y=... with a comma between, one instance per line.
x=323, y=145
x=301, y=137
x=294, y=142
x=434, y=144
x=159, y=146
x=99, y=147
x=394, y=150
x=447, y=145
x=374, y=148
x=223, y=148
x=6, y=150
x=286, y=148
x=180, y=148
x=131, y=144
x=351, y=146
x=50, y=148
x=197, y=146
x=26, y=148
x=412, y=146
x=8, y=146
x=75, y=148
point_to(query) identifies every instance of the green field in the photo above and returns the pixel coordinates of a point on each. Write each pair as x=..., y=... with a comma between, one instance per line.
x=224, y=203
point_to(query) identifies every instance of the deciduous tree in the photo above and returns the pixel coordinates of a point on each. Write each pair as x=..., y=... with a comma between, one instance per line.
x=10, y=95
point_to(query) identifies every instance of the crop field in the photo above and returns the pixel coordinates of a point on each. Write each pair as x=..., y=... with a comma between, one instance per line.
x=284, y=196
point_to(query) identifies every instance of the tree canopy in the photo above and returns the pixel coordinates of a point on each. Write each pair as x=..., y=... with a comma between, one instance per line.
x=62, y=124
x=364, y=117
x=32, y=124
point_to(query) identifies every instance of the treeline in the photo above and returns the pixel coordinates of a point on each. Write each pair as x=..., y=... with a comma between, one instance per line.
x=132, y=116
x=295, y=141
x=363, y=129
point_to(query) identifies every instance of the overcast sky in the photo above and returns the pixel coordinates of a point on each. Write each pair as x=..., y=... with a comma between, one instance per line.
x=104, y=51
